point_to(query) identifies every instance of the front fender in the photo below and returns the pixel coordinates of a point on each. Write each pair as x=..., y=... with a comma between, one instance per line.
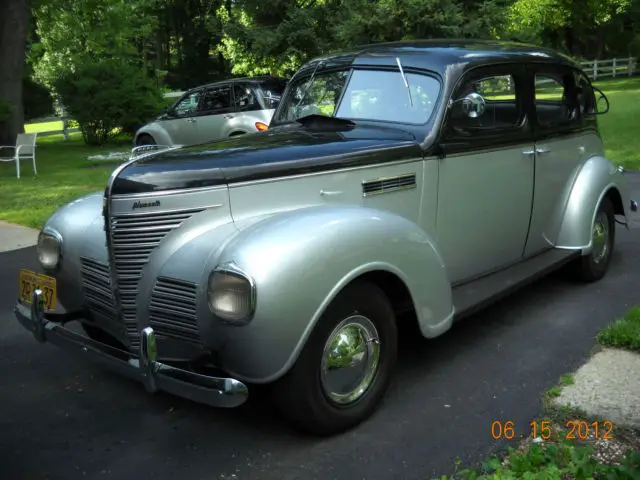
x=597, y=178
x=157, y=131
x=81, y=225
x=301, y=259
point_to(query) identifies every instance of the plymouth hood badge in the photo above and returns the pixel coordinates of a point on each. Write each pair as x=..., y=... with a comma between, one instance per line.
x=137, y=205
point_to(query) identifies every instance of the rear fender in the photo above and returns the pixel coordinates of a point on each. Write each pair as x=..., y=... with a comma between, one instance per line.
x=597, y=178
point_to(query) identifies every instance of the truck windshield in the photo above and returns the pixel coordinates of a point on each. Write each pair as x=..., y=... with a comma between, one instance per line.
x=368, y=95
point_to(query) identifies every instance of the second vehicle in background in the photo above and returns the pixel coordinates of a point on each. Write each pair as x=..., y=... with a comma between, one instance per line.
x=215, y=111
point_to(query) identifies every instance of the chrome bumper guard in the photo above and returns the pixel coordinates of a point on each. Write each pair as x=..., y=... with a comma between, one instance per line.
x=214, y=391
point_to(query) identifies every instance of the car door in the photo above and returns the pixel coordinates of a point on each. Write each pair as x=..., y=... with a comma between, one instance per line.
x=180, y=123
x=214, y=112
x=560, y=146
x=247, y=110
x=485, y=178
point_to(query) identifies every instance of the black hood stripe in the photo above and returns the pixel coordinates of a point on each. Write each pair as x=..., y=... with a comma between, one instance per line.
x=281, y=152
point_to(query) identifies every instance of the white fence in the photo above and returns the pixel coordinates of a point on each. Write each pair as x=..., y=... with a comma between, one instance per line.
x=595, y=69
x=613, y=68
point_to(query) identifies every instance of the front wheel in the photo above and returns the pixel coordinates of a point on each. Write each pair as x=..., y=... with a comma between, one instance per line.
x=145, y=139
x=346, y=365
x=593, y=267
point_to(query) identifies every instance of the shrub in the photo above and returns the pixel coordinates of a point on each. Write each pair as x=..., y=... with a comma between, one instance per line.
x=108, y=97
x=37, y=100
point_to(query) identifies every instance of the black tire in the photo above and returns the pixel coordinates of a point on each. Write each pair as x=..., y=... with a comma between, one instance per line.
x=592, y=267
x=145, y=139
x=300, y=395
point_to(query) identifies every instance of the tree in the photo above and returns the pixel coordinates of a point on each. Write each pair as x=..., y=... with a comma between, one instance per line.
x=14, y=26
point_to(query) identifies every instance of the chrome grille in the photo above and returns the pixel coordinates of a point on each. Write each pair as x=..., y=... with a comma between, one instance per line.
x=133, y=238
x=96, y=286
x=172, y=310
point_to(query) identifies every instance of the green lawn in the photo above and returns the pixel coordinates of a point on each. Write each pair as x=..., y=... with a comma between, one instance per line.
x=44, y=127
x=624, y=332
x=619, y=126
x=65, y=174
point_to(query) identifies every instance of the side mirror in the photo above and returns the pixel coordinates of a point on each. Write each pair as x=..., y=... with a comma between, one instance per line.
x=473, y=104
x=598, y=103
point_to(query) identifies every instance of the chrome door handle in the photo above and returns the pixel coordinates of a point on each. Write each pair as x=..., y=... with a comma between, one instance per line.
x=542, y=150
x=191, y=120
x=228, y=116
x=329, y=193
x=528, y=152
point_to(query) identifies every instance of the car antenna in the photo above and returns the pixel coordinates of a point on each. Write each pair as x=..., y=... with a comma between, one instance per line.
x=404, y=78
x=309, y=84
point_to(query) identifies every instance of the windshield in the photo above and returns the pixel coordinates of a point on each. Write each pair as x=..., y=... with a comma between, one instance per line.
x=368, y=95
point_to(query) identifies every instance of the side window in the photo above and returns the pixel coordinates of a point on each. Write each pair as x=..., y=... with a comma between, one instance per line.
x=216, y=100
x=586, y=95
x=556, y=101
x=245, y=98
x=187, y=105
x=502, y=104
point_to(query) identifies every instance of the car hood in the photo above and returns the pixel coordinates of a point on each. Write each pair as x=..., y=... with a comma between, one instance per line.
x=283, y=151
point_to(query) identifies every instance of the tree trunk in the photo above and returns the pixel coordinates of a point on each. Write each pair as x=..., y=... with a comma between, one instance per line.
x=14, y=26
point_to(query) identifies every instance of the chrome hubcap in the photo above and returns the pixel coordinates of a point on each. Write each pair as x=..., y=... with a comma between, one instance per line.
x=350, y=360
x=600, y=238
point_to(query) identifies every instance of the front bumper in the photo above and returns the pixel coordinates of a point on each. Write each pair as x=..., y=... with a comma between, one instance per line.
x=214, y=391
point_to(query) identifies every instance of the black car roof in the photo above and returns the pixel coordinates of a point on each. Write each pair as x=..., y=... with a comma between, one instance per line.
x=439, y=54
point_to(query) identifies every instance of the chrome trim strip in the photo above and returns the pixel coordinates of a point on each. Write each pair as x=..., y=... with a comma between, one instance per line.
x=329, y=172
x=170, y=211
x=166, y=192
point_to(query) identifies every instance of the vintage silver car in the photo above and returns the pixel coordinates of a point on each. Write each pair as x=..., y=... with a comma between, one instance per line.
x=215, y=111
x=415, y=181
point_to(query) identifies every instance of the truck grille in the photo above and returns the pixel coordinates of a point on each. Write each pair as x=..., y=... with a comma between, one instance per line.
x=172, y=311
x=96, y=285
x=133, y=238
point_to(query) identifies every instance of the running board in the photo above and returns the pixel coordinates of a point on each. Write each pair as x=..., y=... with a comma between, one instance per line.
x=472, y=296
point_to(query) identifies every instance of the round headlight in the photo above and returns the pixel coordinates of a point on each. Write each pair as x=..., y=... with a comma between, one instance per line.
x=231, y=295
x=49, y=249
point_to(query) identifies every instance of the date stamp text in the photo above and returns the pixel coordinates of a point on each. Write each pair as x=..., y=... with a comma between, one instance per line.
x=574, y=430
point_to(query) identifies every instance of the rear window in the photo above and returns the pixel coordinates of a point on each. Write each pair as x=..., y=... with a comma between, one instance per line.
x=275, y=86
x=271, y=91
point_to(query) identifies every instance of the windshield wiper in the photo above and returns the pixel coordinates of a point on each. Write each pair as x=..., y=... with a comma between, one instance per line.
x=404, y=79
x=304, y=94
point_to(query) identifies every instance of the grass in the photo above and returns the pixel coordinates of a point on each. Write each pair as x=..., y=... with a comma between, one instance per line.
x=64, y=174
x=54, y=126
x=624, y=332
x=621, y=139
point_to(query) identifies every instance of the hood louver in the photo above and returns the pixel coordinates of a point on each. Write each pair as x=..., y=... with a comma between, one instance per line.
x=388, y=184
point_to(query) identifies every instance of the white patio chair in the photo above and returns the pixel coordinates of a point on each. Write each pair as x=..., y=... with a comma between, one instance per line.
x=24, y=148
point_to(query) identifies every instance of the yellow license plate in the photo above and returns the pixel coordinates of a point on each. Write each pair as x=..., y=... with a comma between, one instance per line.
x=30, y=281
